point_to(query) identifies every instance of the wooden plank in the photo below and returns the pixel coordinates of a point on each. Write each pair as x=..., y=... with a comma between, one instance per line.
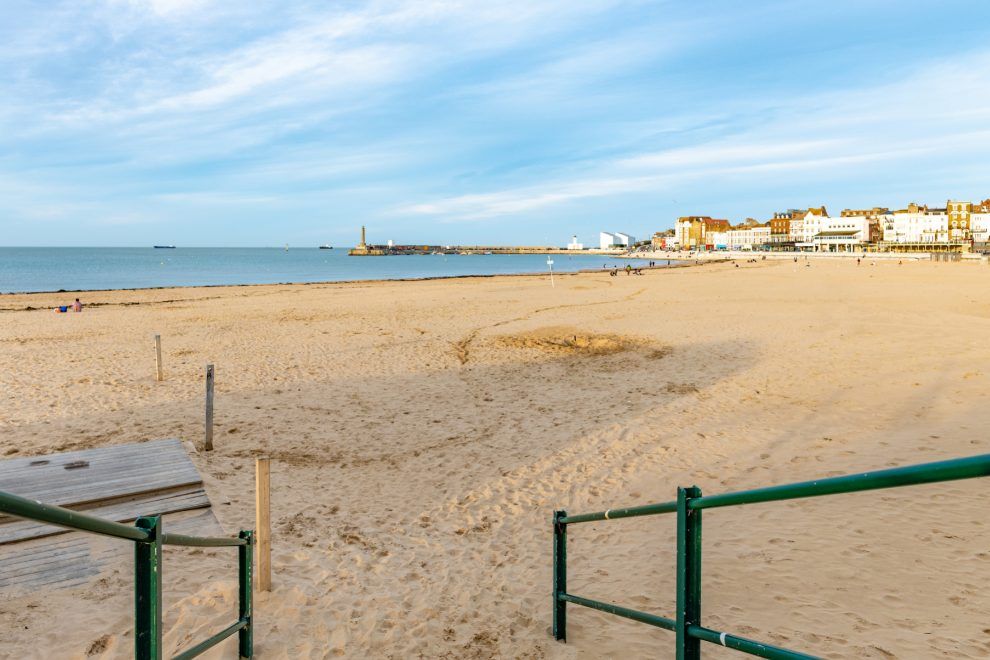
x=120, y=511
x=104, y=467
x=262, y=525
x=103, y=491
x=108, y=450
x=119, y=483
x=208, y=441
x=123, y=512
x=111, y=472
x=102, y=470
x=100, y=459
x=77, y=558
x=158, y=358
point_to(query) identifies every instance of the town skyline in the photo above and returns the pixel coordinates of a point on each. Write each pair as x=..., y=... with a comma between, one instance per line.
x=959, y=226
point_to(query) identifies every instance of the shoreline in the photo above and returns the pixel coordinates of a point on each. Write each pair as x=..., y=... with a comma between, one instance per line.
x=684, y=263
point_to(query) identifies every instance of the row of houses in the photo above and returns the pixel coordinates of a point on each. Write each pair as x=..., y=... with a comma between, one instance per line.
x=956, y=227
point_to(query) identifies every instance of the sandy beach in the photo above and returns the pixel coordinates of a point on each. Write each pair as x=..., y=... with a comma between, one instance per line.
x=422, y=433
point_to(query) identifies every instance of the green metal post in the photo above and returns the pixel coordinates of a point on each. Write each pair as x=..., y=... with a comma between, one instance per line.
x=148, y=590
x=559, y=576
x=245, y=609
x=688, y=574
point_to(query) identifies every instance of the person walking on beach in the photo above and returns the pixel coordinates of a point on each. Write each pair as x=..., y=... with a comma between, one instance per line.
x=77, y=306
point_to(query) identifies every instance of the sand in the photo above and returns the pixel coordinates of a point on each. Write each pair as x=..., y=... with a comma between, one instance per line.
x=422, y=433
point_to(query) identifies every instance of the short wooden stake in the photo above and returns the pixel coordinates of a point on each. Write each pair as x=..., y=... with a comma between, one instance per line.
x=208, y=444
x=262, y=522
x=158, y=357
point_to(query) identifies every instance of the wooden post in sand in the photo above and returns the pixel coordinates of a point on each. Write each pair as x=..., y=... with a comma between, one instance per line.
x=208, y=444
x=262, y=522
x=158, y=357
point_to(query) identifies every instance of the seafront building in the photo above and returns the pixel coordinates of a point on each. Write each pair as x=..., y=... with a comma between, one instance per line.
x=665, y=240
x=608, y=240
x=959, y=226
x=694, y=231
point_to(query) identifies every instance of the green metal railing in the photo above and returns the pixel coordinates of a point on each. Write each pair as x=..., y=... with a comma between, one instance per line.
x=686, y=625
x=148, y=539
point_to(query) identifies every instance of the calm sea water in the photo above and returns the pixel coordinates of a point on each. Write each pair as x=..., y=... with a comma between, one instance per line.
x=52, y=269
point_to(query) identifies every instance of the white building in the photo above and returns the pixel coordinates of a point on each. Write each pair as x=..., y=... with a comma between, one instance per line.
x=574, y=245
x=917, y=225
x=797, y=231
x=608, y=239
x=804, y=227
x=841, y=234
x=979, y=224
x=719, y=240
x=747, y=238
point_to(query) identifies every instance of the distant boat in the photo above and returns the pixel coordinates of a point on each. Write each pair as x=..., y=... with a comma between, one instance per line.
x=164, y=247
x=326, y=247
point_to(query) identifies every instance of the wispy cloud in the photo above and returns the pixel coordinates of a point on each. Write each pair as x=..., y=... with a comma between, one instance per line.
x=812, y=134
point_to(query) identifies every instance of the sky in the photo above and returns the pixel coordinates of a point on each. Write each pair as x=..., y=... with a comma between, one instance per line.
x=209, y=123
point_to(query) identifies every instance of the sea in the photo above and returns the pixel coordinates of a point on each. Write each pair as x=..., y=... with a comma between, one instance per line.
x=35, y=269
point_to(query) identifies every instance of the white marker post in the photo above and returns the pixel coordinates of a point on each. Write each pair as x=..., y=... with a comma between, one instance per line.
x=550, y=264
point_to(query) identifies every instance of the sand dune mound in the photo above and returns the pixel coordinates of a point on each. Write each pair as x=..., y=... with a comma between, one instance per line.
x=571, y=341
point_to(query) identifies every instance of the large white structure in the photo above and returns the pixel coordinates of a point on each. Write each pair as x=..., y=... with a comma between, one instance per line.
x=624, y=239
x=608, y=239
x=574, y=245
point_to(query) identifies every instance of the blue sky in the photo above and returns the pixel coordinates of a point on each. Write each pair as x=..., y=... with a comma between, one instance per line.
x=132, y=122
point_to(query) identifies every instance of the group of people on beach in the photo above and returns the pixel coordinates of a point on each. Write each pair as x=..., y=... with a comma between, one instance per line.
x=75, y=307
x=629, y=271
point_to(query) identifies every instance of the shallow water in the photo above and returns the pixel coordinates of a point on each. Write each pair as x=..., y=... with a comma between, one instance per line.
x=52, y=269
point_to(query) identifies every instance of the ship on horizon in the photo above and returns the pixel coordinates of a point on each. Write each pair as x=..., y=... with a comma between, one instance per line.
x=164, y=247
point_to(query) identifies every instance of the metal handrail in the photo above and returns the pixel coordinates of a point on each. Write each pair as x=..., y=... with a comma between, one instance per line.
x=688, y=507
x=629, y=512
x=22, y=507
x=911, y=475
x=202, y=541
x=148, y=538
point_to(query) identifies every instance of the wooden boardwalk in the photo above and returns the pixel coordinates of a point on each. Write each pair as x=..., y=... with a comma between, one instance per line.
x=119, y=483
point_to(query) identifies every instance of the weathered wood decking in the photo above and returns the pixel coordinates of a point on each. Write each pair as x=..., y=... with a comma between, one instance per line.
x=119, y=483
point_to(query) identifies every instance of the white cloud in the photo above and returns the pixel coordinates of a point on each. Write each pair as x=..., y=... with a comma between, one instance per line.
x=818, y=134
